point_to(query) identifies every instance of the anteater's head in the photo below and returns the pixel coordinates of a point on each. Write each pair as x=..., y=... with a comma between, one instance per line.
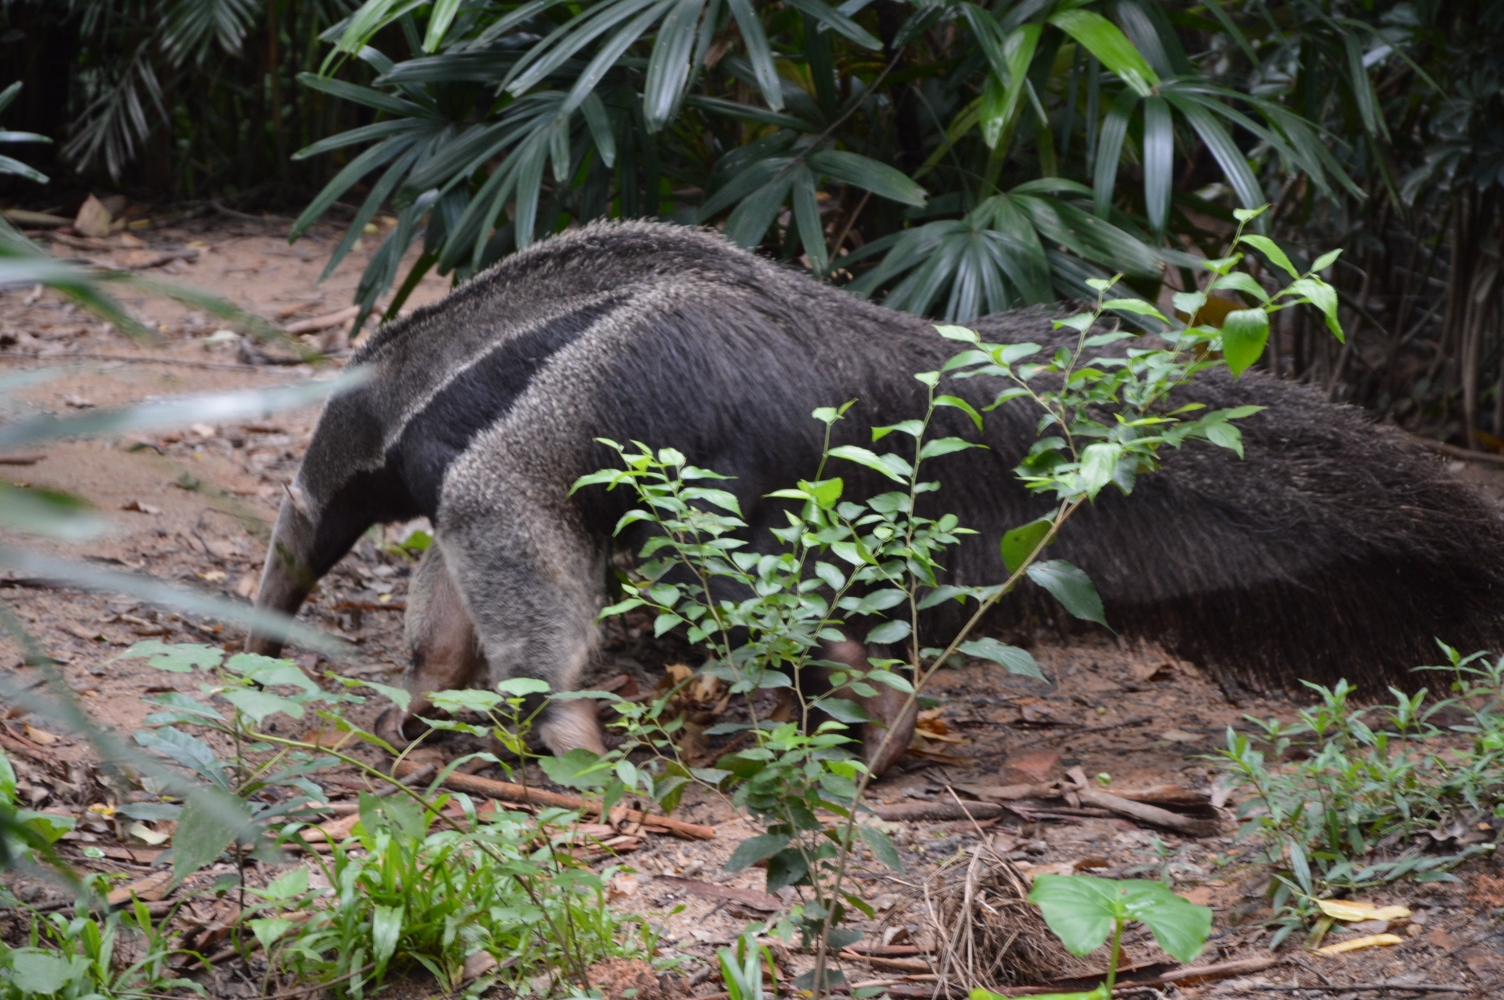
x=345, y=484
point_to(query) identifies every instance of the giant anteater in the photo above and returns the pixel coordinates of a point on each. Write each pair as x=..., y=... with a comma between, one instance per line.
x=1335, y=549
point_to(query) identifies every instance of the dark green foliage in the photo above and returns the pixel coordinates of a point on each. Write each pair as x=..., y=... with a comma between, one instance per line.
x=961, y=159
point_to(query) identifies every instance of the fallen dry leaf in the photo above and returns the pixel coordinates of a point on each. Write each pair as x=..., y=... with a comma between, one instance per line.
x=477, y=965
x=1180, y=736
x=621, y=886
x=1358, y=944
x=148, y=888
x=1063, y=868
x=146, y=834
x=141, y=508
x=40, y=737
x=334, y=829
x=1152, y=670
x=1352, y=910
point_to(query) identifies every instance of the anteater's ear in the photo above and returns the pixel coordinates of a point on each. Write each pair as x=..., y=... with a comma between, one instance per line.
x=299, y=500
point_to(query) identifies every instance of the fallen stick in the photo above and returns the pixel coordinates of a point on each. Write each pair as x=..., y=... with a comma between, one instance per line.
x=896, y=964
x=1011, y=793
x=322, y=322
x=909, y=811
x=1083, y=730
x=1222, y=970
x=508, y=792
x=133, y=359
x=1145, y=813
x=21, y=459
x=889, y=950
x=1367, y=988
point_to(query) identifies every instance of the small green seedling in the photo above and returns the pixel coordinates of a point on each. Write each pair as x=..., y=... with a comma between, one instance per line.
x=1082, y=910
x=742, y=970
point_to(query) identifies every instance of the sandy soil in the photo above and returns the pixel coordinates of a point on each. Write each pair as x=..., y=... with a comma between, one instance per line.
x=190, y=506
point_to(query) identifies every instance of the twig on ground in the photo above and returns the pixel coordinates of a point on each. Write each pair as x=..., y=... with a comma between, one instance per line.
x=322, y=322
x=1152, y=815
x=507, y=791
x=1081, y=731
x=910, y=811
x=1366, y=988
x=246, y=216
x=133, y=359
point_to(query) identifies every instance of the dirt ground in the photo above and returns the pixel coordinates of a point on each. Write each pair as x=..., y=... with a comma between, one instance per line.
x=179, y=504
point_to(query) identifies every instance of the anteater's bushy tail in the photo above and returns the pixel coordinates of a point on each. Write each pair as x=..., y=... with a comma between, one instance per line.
x=1337, y=548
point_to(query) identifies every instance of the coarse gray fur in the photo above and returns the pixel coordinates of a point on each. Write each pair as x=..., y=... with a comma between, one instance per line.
x=1336, y=548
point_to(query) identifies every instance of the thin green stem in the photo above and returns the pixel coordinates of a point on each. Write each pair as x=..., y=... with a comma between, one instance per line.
x=1112, y=959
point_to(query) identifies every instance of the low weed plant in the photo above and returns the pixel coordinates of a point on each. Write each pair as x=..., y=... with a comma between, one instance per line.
x=477, y=897
x=1339, y=798
x=1084, y=911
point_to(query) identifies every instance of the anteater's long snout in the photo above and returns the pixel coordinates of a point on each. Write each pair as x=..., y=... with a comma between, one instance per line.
x=287, y=576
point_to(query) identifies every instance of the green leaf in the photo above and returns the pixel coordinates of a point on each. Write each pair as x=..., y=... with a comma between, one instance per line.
x=7, y=780
x=1071, y=587
x=1241, y=282
x=288, y=886
x=1079, y=909
x=890, y=465
x=892, y=631
x=1010, y=658
x=38, y=973
x=260, y=704
x=1159, y=161
x=1098, y=463
x=1227, y=436
x=577, y=769
x=759, y=54
x=176, y=658
x=439, y=19
x=1244, y=334
x=401, y=696
x=521, y=687
x=755, y=849
x=881, y=846
x=1020, y=543
x=386, y=931
x=1140, y=306
x=962, y=405
x=49, y=827
x=1270, y=249
x=465, y=700
x=1323, y=297
x=269, y=930
x=1108, y=43
x=837, y=21
x=869, y=175
x=944, y=446
x=211, y=821
x=897, y=682
x=844, y=710
x=1180, y=926
x=1325, y=261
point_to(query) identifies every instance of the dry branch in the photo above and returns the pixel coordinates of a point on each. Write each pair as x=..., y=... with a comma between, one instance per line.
x=322, y=322
x=1153, y=815
x=911, y=811
x=506, y=791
